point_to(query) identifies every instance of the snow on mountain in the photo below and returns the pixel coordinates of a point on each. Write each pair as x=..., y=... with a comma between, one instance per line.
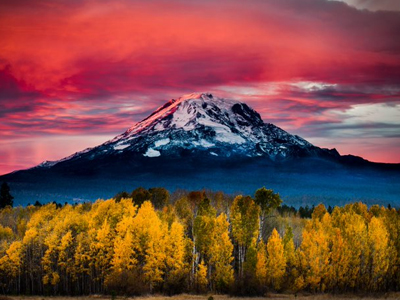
x=201, y=122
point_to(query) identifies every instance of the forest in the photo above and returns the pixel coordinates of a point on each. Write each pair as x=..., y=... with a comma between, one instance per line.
x=151, y=241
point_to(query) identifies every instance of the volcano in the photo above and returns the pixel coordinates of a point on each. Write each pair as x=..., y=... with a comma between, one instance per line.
x=201, y=141
x=201, y=124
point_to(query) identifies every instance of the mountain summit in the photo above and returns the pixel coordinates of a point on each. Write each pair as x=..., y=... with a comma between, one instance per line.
x=201, y=123
x=201, y=141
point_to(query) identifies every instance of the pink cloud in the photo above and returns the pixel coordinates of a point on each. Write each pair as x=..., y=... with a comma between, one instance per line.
x=72, y=68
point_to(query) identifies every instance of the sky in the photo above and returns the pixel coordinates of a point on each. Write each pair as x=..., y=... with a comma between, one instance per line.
x=74, y=74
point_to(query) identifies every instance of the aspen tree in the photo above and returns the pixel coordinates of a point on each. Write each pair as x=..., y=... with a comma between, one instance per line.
x=82, y=262
x=201, y=277
x=276, y=261
x=151, y=234
x=378, y=240
x=124, y=255
x=290, y=256
x=391, y=220
x=261, y=266
x=65, y=259
x=221, y=254
x=267, y=201
x=340, y=262
x=11, y=265
x=245, y=227
x=314, y=255
x=101, y=254
x=175, y=251
x=203, y=232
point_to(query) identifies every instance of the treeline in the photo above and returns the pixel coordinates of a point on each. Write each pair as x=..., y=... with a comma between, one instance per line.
x=143, y=242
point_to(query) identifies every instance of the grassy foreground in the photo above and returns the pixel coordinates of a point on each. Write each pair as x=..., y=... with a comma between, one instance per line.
x=218, y=297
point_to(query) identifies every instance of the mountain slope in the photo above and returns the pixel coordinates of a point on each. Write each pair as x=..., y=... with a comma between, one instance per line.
x=204, y=124
x=201, y=141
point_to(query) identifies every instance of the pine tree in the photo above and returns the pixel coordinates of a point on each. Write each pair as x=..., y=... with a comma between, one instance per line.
x=5, y=197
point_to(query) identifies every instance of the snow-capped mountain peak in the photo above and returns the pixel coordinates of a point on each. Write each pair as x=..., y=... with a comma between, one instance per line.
x=183, y=110
x=204, y=124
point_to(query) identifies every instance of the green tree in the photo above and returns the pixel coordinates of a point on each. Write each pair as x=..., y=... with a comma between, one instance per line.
x=159, y=197
x=140, y=195
x=121, y=195
x=5, y=196
x=268, y=201
x=203, y=230
x=290, y=256
x=245, y=226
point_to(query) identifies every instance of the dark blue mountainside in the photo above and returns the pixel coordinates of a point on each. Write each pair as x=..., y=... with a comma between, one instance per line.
x=201, y=141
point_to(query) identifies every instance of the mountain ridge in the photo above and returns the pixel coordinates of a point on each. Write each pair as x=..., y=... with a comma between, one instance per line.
x=201, y=141
x=200, y=121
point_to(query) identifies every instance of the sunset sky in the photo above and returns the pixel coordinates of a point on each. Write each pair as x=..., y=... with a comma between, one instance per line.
x=74, y=74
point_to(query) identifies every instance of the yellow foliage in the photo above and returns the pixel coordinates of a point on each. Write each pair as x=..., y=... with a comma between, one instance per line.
x=201, y=276
x=378, y=239
x=221, y=253
x=89, y=248
x=276, y=261
x=175, y=251
x=6, y=233
x=151, y=234
x=124, y=255
x=261, y=266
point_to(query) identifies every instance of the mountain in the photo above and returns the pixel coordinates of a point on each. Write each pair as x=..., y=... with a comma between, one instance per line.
x=203, y=124
x=202, y=141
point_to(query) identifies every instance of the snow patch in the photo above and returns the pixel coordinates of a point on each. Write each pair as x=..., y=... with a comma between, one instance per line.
x=182, y=118
x=231, y=138
x=161, y=142
x=206, y=144
x=159, y=127
x=120, y=147
x=223, y=132
x=47, y=164
x=152, y=153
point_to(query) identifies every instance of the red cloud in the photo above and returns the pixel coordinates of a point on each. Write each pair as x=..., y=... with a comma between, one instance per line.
x=72, y=67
